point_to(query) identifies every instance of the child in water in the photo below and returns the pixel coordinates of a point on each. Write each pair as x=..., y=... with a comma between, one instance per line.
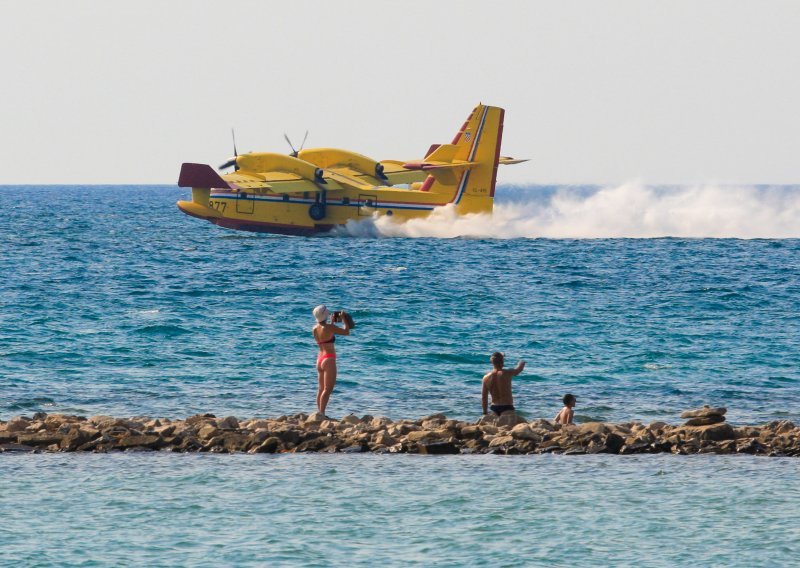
x=565, y=415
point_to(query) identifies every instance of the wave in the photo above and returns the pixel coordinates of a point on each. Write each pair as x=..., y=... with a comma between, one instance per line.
x=162, y=330
x=630, y=210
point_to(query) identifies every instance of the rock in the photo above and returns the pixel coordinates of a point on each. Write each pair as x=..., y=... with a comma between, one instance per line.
x=705, y=411
x=427, y=435
x=327, y=425
x=207, y=432
x=525, y=432
x=269, y=446
x=190, y=444
x=471, y=431
x=76, y=437
x=747, y=432
x=713, y=432
x=100, y=419
x=593, y=428
x=316, y=418
x=501, y=441
x=228, y=441
x=780, y=426
x=117, y=431
x=542, y=424
x=258, y=424
x=383, y=439
x=526, y=446
x=228, y=423
x=636, y=445
x=39, y=439
x=396, y=430
x=705, y=420
x=576, y=452
x=8, y=437
x=166, y=431
x=141, y=441
x=16, y=448
x=200, y=419
x=490, y=418
x=350, y=419
x=354, y=449
x=53, y=421
x=313, y=445
x=510, y=418
x=17, y=424
x=258, y=438
x=476, y=444
x=624, y=430
x=438, y=448
x=287, y=436
x=435, y=417
x=613, y=443
x=727, y=447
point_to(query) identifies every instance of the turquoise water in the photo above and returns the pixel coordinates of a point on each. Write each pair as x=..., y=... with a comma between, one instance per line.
x=119, y=304
x=345, y=510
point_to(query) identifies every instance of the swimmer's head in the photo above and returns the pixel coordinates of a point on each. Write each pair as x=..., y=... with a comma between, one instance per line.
x=569, y=400
x=321, y=313
x=497, y=359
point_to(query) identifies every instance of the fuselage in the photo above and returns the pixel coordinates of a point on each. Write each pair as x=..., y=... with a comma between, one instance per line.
x=289, y=213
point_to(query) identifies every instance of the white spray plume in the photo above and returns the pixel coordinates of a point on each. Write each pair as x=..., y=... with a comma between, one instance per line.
x=631, y=210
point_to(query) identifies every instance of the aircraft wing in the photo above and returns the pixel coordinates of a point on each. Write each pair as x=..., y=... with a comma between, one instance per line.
x=203, y=175
x=278, y=182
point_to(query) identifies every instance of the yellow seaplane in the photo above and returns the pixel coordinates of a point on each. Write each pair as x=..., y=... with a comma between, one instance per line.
x=314, y=190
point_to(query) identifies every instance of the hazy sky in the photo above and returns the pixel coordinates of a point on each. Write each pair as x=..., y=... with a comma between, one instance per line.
x=594, y=91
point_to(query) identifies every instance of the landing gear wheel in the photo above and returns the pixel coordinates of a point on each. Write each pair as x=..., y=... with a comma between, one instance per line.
x=317, y=211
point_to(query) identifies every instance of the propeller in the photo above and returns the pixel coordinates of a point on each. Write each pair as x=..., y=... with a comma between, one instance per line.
x=294, y=152
x=232, y=161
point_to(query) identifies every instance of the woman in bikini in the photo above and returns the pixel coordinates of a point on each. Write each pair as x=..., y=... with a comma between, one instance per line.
x=325, y=335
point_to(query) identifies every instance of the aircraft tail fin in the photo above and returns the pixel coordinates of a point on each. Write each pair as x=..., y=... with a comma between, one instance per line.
x=469, y=163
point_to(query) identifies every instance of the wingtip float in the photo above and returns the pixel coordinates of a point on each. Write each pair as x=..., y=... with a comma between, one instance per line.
x=320, y=188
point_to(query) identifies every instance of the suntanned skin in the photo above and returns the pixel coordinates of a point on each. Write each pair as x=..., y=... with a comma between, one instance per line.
x=326, y=370
x=565, y=415
x=497, y=382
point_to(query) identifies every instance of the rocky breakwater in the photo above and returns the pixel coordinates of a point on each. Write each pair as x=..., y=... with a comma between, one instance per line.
x=705, y=431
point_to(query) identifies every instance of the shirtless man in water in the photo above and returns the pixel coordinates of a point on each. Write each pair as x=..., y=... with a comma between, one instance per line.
x=497, y=382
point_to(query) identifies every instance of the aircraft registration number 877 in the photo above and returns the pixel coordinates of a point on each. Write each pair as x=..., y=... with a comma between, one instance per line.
x=218, y=205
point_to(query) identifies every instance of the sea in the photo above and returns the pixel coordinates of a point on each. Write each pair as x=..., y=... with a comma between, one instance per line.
x=643, y=301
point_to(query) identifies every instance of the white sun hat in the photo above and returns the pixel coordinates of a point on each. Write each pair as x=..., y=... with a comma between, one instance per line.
x=321, y=313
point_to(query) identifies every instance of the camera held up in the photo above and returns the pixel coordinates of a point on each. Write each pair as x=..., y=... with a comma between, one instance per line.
x=342, y=316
